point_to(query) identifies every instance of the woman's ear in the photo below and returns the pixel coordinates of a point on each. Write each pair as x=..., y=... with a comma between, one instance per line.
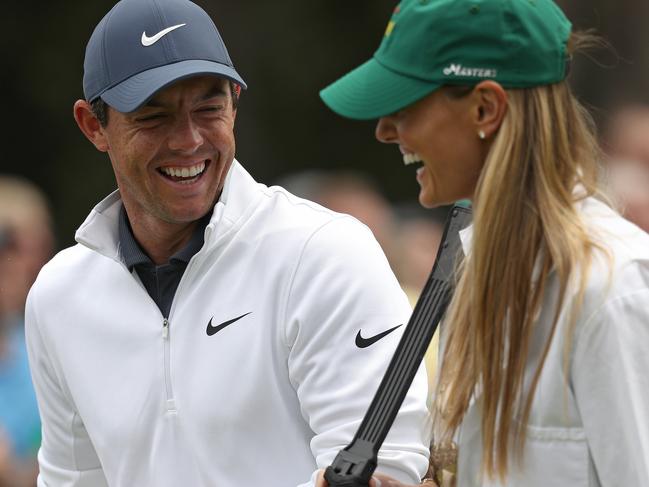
x=89, y=125
x=490, y=108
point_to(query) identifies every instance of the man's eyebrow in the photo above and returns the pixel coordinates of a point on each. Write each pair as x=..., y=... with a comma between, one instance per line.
x=214, y=92
x=153, y=104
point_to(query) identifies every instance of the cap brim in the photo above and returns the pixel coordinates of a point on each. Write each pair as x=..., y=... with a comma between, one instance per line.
x=132, y=93
x=373, y=91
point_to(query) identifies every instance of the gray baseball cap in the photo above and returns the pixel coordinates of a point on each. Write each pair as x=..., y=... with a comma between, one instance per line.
x=142, y=46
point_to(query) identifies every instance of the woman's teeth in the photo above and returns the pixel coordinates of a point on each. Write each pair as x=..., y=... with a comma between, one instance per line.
x=411, y=158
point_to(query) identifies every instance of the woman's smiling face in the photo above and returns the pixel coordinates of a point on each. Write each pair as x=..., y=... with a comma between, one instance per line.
x=440, y=132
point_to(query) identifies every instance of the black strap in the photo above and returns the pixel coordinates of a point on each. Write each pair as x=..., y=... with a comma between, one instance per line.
x=354, y=465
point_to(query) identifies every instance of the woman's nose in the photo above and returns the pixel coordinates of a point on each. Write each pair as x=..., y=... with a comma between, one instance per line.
x=385, y=130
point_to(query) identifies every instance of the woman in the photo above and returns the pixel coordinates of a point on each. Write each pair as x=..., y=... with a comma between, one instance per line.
x=544, y=377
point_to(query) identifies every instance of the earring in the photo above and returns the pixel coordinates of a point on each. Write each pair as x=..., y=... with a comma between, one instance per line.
x=482, y=135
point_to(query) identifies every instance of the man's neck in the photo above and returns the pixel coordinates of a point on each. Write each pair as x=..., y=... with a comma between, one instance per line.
x=160, y=240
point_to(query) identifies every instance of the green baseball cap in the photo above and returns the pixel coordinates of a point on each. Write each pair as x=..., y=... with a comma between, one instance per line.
x=430, y=43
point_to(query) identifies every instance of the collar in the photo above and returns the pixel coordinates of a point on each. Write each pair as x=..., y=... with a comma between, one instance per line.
x=240, y=196
x=132, y=253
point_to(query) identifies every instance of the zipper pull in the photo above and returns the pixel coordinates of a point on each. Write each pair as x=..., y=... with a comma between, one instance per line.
x=165, y=328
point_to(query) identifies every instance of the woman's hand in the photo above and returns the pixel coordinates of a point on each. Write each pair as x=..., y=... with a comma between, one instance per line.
x=378, y=480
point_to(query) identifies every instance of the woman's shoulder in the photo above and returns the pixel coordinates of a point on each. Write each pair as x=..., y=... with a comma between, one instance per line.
x=622, y=239
x=620, y=263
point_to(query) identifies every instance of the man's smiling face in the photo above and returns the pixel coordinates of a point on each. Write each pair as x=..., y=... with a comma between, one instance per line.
x=171, y=156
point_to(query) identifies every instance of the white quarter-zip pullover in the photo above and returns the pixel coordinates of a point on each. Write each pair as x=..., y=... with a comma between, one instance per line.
x=255, y=378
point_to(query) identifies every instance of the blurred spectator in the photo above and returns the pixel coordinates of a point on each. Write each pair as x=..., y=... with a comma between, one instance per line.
x=629, y=184
x=26, y=243
x=352, y=193
x=419, y=232
x=627, y=135
x=626, y=143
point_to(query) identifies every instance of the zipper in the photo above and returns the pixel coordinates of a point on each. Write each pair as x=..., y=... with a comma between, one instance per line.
x=170, y=402
x=165, y=329
x=166, y=339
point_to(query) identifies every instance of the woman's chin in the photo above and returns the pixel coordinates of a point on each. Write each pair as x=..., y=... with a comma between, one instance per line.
x=427, y=199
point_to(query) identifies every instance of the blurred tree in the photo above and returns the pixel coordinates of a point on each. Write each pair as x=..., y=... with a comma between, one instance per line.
x=287, y=51
x=619, y=75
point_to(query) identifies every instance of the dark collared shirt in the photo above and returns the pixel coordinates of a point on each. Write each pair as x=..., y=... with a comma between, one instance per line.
x=160, y=281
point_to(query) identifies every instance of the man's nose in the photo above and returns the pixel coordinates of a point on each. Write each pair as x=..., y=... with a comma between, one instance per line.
x=385, y=130
x=185, y=136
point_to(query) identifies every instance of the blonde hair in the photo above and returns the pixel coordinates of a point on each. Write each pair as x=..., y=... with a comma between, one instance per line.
x=526, y=227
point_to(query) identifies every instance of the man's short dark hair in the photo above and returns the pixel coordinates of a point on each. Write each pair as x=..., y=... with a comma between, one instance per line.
x=100, y=108
x=100, y=111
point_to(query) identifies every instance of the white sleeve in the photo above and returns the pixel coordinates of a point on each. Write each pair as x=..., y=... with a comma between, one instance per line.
x=66, y=457
x=610, y=375
x=343, y=286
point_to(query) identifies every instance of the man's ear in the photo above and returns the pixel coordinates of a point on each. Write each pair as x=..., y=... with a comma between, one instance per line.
x=489, y=108
x=89, y=125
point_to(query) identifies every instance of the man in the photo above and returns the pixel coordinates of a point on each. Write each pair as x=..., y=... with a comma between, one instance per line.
x=206, y=330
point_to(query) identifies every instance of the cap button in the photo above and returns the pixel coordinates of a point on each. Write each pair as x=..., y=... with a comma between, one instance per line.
x=474, y=9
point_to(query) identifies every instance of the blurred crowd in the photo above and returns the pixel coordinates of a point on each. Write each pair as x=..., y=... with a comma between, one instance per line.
x=26, y=243
x=626, y=144
x=408, y=235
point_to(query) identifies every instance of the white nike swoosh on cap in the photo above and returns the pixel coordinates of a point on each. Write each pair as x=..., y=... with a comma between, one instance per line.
x=149, y=41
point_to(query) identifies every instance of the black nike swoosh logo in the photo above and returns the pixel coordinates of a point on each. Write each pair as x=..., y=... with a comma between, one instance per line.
x=211, y=330
x=366, y=342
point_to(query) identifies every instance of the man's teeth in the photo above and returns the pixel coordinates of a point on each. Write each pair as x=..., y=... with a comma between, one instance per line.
x=411, y=158
x=184, y=172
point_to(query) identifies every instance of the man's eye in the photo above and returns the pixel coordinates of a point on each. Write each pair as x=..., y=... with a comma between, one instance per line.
x=153, y=116
x=211, y=108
